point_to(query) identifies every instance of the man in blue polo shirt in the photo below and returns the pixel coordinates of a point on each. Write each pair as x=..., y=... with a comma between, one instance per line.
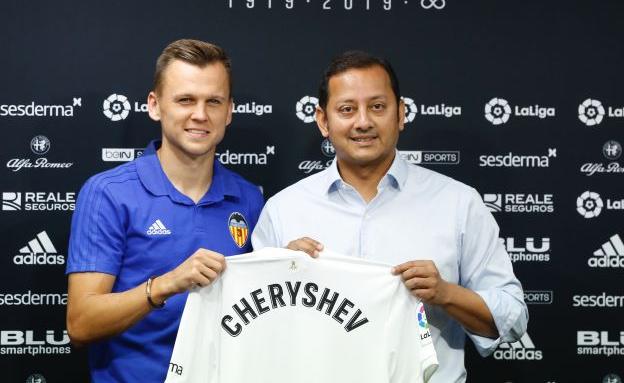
x=141, y=232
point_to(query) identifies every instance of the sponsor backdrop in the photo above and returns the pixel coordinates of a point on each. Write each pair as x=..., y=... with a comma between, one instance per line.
x=521, y=100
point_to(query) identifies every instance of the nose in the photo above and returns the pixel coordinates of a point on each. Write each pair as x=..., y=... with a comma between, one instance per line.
x=362, y=119
x=199, y=112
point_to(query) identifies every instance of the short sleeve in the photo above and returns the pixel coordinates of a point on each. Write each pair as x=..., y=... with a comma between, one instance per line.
x=265, y=232
x=97, y=238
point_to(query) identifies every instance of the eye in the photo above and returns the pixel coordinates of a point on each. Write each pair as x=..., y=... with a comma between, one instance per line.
x=214, y=101
x=185, y=100
x=346, y=109
x=378, y=106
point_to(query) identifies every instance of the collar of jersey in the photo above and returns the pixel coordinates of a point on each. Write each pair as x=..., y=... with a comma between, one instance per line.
x=395, y=177
x=156, y=182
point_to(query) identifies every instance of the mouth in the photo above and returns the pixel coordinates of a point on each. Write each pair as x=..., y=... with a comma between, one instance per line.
x=196, y=132
x=363, y=139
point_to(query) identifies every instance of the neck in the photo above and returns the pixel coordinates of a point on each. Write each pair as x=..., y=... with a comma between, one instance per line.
x=364, y=178
x=191, y=176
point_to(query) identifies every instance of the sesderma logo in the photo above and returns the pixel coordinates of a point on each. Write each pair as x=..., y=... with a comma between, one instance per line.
x=39, y=251
x=38, y=110
x=511, y=160
x=231, y=158
x=609, y=255
x=602, y=300
x=524, y=349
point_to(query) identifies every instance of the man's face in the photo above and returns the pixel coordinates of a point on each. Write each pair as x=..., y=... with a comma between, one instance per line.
x=193, y=106
x=362, y=118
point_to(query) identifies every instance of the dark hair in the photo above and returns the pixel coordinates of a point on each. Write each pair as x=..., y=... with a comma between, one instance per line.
x=195, y=52
x=355, y=60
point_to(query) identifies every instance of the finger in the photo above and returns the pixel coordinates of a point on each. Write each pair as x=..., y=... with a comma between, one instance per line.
x=417, y=271
x=217, y=264
x=407, y=265
x=418, y=283
x=307, y=245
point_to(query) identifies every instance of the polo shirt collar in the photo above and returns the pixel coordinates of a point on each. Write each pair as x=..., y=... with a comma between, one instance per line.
x=396, y=175
x=155, y=180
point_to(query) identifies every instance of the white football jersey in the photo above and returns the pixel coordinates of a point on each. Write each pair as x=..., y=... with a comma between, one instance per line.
x=280, y=316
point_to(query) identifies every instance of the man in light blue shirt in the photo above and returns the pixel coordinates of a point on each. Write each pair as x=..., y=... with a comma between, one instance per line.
x=371, y=204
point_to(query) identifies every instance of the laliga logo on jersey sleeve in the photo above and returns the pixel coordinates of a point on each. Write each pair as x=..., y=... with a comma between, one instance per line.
x=411, y=110
x=39, y=251
x=498, y=110
x=611, y=150
x=422, y=322
x=591, y=112
x=39, y=145
x=306, y=109
x=610, y=254
x=252, y=108
x=524, y=349
x=117, y=107
x=239, y=230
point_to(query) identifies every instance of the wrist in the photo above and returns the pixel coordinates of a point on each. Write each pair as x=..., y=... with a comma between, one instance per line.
x=153, y=293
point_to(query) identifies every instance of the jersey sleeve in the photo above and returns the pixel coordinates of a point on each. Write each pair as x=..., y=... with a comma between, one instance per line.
x=195, y=357
x=97, y=238
x=412, y=357
x=486, y=269
x=265, y=234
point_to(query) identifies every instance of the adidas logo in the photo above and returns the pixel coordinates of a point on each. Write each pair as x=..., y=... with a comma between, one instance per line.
x=610, y=254
x=39, y=251
x=524, y=349
x=158, y=228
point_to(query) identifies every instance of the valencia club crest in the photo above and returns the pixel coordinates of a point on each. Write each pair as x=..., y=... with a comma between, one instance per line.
x=238, y=229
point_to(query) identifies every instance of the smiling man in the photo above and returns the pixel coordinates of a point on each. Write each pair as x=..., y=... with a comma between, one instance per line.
x=436, y=232
x=148, y=231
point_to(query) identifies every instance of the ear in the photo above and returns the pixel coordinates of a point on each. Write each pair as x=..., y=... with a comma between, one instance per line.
x=321, y=121
x=228, y=120
x=153, y=106
x=401, y=115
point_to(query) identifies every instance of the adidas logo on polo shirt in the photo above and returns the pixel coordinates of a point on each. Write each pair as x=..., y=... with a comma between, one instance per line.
x=158, y=228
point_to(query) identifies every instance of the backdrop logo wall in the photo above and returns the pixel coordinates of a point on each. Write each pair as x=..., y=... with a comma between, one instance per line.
x=591, y=112
x=590, y=204
x=252, y=108
x=611, y=150
x=524, y=349
x=117, y=107
x=511, y=160
x=309, y=166
x=528, y=249
x=607, y=343
x=39, y=201
x=327, y=148
x=121, y=154
x=31, y=342
x=498, y=110
x=232, y=158
x=431, y=157
x=602, y=300
x=519, y=203
x=306, y=108
x=39, y=251
x=40, y=110
x=538, y=297
x=436, y=110
x=609, y=255
x=39, y=145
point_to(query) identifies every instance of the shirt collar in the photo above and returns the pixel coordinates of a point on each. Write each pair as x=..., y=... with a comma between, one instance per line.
x=156, y=182
x=396, y=176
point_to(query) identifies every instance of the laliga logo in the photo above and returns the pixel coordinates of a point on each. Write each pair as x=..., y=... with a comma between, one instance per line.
x=591, y=112
x=437, y=4
x=589, y=204
x=410, y=109
x=116, y=107
x=497, y=111
x=306, y=108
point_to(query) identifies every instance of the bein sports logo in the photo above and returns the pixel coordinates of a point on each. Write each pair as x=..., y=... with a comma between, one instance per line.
x=306, y=108
x=116, y=107
x=497, y=111
x=591, y=112
x=589, y=204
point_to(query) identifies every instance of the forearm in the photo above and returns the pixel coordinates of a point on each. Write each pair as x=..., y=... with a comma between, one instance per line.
x=470, y=310
x=99, y=316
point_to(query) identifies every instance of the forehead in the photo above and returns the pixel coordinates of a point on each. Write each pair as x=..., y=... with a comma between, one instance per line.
x=182, y=77
x=359, y=83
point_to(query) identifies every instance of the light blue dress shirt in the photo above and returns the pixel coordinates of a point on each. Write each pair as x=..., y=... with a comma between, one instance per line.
x=417, y=214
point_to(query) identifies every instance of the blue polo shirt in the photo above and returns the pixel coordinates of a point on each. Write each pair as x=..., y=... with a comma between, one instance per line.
x=131, y=222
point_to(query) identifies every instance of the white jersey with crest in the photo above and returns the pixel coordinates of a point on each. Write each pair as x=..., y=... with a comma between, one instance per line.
x=280, y=316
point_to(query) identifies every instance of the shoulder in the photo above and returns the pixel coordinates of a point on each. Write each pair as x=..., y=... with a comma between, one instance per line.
x=248, y=190
x=434, y=181
x=310, y=187
x=122, y=176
